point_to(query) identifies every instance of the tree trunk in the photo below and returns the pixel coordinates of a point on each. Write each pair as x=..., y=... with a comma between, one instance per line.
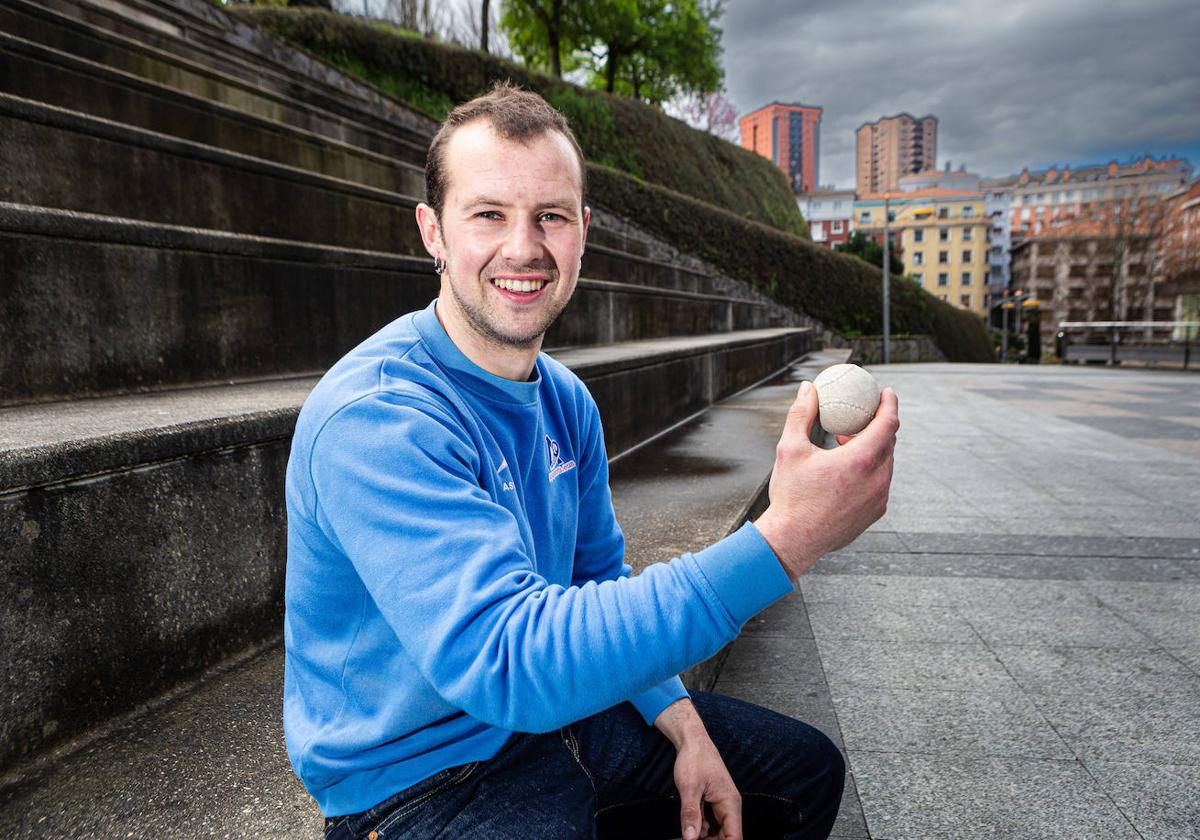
x=483, y=25
x=610, y=70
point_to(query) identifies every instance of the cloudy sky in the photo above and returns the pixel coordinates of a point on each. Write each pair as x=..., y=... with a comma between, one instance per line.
x=1013, y=82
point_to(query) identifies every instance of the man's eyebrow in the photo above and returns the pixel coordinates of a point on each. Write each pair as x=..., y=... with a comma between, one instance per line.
x=557, y=203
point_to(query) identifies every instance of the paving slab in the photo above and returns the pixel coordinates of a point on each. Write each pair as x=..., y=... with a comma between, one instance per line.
x=1013, y=650
x=1158, y=800
x=940, y=797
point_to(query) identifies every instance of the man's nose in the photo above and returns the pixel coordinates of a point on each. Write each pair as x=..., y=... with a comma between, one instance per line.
x=523, y=245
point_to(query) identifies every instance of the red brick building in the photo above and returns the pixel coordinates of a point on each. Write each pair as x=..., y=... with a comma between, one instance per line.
x=790, y=136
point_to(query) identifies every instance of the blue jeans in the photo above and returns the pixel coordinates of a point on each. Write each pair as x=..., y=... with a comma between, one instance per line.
x=611, y=775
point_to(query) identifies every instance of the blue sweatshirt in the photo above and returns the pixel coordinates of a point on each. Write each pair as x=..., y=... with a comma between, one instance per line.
x=455, y=572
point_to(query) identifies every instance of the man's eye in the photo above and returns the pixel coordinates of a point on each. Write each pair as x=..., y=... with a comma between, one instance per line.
x=488, y=214
x=552, y=217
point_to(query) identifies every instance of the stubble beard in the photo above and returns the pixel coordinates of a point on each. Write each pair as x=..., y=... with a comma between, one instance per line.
x=485, y=321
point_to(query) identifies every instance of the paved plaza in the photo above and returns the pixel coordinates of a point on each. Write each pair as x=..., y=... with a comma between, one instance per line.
x=1014, y=650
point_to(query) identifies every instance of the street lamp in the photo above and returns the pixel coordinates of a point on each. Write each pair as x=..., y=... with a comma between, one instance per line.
x=887, y=309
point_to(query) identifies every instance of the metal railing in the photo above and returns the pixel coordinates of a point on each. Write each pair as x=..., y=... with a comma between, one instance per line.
x=1113, y=342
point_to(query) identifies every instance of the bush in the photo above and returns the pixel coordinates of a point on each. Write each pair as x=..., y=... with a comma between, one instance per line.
x=841, y=291
x=613, y=130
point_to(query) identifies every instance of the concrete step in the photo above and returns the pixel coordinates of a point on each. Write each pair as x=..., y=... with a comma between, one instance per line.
x=343, y=109
x=210, y=762
x=54, y=157
x=185, y=183
x=144, y=536
x=188, y=307
x=40, y=73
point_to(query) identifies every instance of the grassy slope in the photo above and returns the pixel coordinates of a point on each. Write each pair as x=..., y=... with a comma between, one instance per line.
x=737, y=210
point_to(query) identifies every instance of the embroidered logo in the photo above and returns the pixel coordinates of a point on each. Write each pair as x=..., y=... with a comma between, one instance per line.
x=557, y=467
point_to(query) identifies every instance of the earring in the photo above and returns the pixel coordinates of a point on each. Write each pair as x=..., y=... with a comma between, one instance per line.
x=439, y=265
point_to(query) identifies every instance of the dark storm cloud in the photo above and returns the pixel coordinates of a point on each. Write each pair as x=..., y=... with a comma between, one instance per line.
x=1012, y=83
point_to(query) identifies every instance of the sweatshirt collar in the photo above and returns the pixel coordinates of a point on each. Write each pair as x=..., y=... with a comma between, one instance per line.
x=446, y=353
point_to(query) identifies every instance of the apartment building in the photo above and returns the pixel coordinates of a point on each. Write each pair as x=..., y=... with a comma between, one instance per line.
x=892, y=147
x=829, y=214
x=942, y=237
x=789, y=135
x=1044, y=198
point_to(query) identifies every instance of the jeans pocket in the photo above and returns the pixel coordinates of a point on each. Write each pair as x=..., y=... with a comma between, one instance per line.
x=384, y=817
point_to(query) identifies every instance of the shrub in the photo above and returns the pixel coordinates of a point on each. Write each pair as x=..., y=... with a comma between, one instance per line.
x=841, y=291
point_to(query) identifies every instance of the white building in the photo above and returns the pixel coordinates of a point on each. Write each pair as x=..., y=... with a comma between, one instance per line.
x=828, y=213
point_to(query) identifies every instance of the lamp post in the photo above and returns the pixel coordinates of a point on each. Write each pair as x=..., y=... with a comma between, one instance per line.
x=887, y=310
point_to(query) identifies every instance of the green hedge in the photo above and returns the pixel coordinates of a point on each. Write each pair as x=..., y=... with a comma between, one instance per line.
x=686, y=177
x=613, y=130
x=839, y=290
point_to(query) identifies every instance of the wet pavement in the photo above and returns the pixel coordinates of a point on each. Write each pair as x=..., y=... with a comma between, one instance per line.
x=1013, y=651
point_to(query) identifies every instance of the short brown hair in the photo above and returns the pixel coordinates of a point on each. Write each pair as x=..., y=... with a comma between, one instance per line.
x=514, y=114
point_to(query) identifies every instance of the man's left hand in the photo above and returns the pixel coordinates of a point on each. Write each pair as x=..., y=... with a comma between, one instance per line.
x=701, y=778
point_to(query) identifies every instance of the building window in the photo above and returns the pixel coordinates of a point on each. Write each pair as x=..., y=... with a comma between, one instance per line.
x=1025, y=213
x=837, y=226
x=966, y=278
x=966, y=256
x=943, y=212
x=943, y=279
x=918, y=258
x=943, y=257
x=837, y=205
x=919, y=278
x=968, y=211
x=818, y=231
x=966, y=301
x=968, y=234
x=944, y=235
x=864, y=217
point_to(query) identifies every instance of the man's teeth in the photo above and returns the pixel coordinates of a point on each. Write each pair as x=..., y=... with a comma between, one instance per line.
x=518, y=285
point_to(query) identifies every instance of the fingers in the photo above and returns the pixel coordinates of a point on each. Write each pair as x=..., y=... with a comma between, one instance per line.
x=728, y=812
x=883, y=427
x=800, y=418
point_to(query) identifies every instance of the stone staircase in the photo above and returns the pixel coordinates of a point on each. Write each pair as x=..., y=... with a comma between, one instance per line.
x=196, y=220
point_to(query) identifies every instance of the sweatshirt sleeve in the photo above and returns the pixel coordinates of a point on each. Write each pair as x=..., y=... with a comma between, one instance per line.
x=600, y=544
x=397, y=489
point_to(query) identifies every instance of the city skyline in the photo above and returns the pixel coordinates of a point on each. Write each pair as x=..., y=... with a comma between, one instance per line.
x=1026, y=85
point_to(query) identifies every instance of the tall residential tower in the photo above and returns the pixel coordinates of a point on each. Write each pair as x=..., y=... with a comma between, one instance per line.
x=893, y=147
x=789, y=135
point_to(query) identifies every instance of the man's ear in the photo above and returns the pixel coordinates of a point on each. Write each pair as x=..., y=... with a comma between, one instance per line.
x=431, y=231
x=587, y=217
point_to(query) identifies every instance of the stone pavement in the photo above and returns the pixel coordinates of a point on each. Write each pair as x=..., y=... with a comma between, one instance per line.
x=1014, y=650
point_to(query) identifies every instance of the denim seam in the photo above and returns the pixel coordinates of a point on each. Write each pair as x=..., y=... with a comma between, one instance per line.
x=573, y=748
x=420, y=800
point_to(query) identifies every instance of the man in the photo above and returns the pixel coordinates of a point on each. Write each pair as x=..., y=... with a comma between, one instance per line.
x=462, y=633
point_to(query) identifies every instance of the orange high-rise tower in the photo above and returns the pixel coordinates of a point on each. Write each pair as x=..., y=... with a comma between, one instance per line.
x=789, y=135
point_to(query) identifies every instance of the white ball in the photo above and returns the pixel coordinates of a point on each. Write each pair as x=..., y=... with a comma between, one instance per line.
x=848, y=397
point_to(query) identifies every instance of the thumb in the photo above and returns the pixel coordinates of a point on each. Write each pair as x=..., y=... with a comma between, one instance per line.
x=689, y=814
x=801, y=416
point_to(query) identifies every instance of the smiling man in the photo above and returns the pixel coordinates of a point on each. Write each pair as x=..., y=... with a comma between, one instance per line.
x=467, y=655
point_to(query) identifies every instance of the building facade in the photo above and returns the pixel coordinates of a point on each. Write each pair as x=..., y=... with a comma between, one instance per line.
x=788, y=134
x=998, y=208
x=892, y=147
x=942, y=238
x=1044, y=198
x=829, y=214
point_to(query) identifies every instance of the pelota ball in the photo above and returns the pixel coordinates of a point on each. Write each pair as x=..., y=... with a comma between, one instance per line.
x=848, y=397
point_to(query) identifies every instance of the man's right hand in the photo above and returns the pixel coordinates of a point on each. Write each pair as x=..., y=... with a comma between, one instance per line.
x=822, y=499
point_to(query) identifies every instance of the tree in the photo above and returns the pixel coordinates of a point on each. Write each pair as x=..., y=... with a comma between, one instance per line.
x=541, y=30
x=867, y=249
x=653, y=49
x=649, y=49
x=710, y=112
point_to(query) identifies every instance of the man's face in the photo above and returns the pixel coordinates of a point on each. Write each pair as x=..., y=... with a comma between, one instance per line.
x=512, y=232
